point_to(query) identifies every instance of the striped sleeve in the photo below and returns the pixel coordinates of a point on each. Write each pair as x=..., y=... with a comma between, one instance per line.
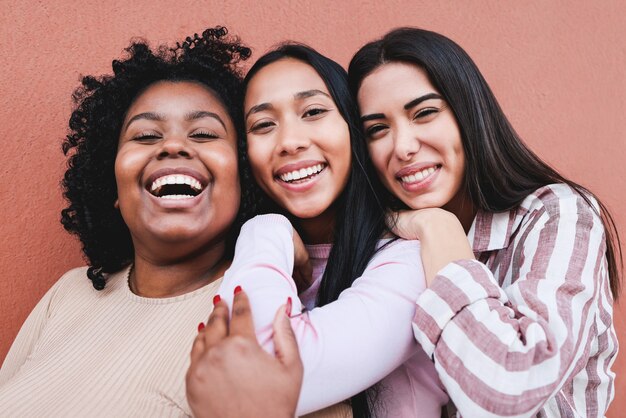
x=506, y=352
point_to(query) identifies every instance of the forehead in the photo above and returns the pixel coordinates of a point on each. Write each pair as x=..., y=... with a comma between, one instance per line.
x=175, y=97
x=283, y=77
x=395, y=81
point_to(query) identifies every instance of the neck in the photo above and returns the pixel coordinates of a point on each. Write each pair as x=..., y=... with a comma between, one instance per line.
x=318, y=230
x=155, y=278
x=464, y=210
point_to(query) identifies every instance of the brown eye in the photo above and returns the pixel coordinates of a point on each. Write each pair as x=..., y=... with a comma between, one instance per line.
x=316, y=111
x=375, y=131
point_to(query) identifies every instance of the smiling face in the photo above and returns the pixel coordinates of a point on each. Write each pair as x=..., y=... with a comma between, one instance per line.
x=298, y=142
x=176, y=168
x=413, y=137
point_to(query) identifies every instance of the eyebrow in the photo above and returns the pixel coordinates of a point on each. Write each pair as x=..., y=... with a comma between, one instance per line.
x=309, y=93
x=298, y=96
x=421, y=99
x=147, y=116
x=193, y=115
x=258, y=108
x=199, y=114
x=407, y=106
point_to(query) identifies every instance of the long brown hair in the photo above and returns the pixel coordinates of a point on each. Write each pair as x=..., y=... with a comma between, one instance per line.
x=490, y=143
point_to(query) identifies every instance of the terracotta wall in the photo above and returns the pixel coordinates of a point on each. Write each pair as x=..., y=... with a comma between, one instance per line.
x=557, y=68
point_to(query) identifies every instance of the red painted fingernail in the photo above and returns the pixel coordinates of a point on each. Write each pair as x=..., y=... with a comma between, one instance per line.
x=200, y=326
x=288, y=306
x=216, y=299
x=237, y=289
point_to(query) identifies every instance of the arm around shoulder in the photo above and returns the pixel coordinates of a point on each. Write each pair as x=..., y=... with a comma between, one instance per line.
x=507, y=350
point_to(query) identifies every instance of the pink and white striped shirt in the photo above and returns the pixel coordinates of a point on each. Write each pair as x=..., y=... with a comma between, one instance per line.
x=527, y=329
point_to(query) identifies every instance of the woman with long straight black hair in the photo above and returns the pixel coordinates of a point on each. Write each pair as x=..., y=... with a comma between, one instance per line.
x=521, y=263
x=306, y=152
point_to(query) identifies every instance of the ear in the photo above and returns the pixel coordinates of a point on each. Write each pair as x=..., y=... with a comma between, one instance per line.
x=116, y=204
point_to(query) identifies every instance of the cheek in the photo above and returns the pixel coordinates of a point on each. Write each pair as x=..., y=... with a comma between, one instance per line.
x=378, y=156
x=226, y=164
x=259, y=158
x=125, y=172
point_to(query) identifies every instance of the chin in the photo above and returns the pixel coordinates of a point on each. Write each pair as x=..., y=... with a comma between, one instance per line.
x=306, y=213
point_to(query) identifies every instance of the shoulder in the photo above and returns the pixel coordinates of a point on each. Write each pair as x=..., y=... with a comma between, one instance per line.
x=71, y=279
x=75, y=285
x=397, y=251
x=562, y=210
x=561, y=200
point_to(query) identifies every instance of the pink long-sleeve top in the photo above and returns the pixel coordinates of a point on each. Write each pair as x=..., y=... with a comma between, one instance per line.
x=527, y=329
x=346, y=346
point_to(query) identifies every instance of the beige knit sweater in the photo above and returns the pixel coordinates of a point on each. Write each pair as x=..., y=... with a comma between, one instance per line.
x=108, y=353
x=90, y=353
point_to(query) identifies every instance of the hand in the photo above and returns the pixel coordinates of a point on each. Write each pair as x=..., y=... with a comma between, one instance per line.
x=302, y=270
x=231, y=376
x=441, y=235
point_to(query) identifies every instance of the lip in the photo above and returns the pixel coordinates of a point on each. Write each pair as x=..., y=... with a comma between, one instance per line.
x=176, y=170
x=297, y=166
x=421, y=185
x=304, y=186
x=177, y=203
x=414, y=168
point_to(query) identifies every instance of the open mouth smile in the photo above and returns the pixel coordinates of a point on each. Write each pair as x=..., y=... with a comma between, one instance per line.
x=302, y=175
x=418, y=176
x=175, y=187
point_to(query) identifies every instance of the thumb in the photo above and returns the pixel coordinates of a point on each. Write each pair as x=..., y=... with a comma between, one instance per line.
x=285, y=344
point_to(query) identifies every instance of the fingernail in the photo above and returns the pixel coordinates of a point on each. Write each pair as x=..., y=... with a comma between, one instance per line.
x=200, y=326
x=237, y=289
x=216, y=299
x=288, y=306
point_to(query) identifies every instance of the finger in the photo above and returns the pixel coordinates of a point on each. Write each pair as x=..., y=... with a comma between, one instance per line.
x=241, y=319
x=285, y=344
x=216, y=328
x=198, y=348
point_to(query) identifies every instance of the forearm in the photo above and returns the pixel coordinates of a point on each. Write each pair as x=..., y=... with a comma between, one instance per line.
x=338, y=339
x=508, y=351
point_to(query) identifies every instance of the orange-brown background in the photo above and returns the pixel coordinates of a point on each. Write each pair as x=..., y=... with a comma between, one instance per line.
x=557, y=68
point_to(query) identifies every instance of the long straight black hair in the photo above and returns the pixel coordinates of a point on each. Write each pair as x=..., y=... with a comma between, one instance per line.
x=359, y=222
x=490, y=143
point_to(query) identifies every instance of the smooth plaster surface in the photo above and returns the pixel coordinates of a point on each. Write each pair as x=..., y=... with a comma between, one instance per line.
x=557, y=68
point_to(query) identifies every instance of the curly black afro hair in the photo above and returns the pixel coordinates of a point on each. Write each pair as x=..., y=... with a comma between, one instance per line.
x=213, y=59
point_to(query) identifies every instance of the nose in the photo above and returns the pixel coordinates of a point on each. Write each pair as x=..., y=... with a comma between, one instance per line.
x=292, y=138
x=175, y=146
x=406, y=143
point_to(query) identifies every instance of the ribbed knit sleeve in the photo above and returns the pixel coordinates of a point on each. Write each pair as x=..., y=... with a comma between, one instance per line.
x=350, y=344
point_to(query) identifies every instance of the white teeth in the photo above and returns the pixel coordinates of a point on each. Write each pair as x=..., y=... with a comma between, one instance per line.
x=419, y=176
x=302, y=173
x=176, y=196
x=176, y=179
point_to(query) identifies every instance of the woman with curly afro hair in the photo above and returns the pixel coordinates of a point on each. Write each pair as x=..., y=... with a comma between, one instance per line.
x=153, y=191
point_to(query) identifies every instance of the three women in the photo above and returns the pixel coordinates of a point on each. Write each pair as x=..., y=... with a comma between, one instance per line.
x=530, y=301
